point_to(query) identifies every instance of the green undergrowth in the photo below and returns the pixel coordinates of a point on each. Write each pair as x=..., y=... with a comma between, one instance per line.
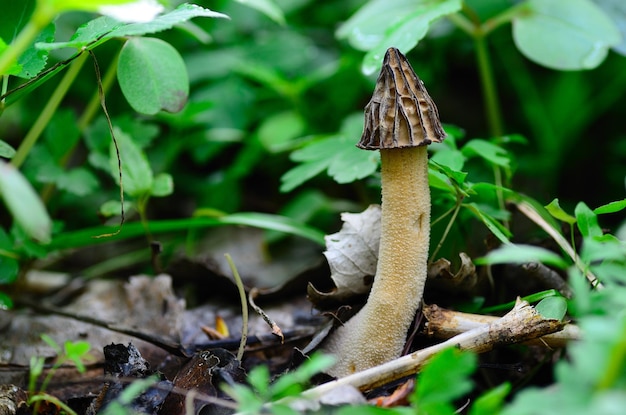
x=115, y=130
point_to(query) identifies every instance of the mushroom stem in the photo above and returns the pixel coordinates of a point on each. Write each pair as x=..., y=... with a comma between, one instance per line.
x=377, y=333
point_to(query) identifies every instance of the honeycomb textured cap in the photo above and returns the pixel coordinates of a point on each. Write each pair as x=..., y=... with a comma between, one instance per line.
x=400, y=113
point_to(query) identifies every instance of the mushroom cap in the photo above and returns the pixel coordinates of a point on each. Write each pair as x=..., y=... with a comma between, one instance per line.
x=400, y=113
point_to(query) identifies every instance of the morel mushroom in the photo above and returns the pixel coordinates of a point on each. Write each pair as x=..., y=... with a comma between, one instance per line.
x=400, y=120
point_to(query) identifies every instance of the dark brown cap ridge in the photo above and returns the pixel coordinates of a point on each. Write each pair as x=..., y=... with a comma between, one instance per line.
x=400, y=113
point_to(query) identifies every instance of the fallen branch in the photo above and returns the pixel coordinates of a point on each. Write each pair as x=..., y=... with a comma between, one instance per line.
x=444, y=324
x=521, y=324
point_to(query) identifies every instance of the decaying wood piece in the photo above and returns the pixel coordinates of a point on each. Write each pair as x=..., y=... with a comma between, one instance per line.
x=444, y=324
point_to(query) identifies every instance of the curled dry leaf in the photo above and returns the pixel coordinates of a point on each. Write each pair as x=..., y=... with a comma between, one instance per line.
x=352, y=254
x=441, y=274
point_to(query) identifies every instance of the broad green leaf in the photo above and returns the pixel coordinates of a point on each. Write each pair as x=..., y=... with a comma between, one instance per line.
x=15, y=67
x=88, y=33
x=552, y=307
x=565, y=34
x=301, y=173
x=558, y=213
x=9, y=267
x=6, y=150
x=104, y=28
x=454, y=174
x=381, y=24
x=587, y=221
x=521, y=254
x=61, y=134
x=491, y=401
x=24, y=204
x=33, y=60
x=15, y=14
x=78, y=181
x=279, y=131
x=492, y=153
x=443, y=379
x=267, y=7
x=163, y=185
x=616, y=11
x=337, y=153
x=438, y=180
x=137, y=176
x=152, y=76
x=450, y=157
x=612, y=207
x=5, y=301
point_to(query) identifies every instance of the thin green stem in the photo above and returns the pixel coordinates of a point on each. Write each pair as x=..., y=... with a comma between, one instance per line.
x=455, y=212
x=44, y=118
x=244, y=306
x=52, y=399
x=462, y=23
x=490, y=96
x=504, y=17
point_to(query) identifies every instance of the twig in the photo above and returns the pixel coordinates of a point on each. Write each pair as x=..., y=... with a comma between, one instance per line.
x=444, y=324
x=244, y=306
x=521, y=324
x=275, y=328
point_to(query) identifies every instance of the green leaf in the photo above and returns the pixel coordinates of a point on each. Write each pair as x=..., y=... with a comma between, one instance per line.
x=521, y=254
x=502, y=233
x=443, y=379
x=136, y=172
x=552, y=307
x=612, y=207
x=6, y=150
x=492, y=153
x=104, y=28
x=338, y=154
x=9, y=267
x=587, y=221
x=78, y=181
x=531, y=298
x=491, y=401
x=85, y=237
x=163, y=185
x=24, y=204
x=279, y=131
x=86, y=34
x=381, y=24
x=5, y=301
x=15, y=67
x=616, y=11
x=558, y=213
x=152, y=76
x=267, y=7
x=565, y=34
x=33, y=60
